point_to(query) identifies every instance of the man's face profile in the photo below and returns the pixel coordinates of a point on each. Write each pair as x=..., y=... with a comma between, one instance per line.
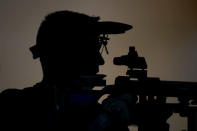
x=68, y=45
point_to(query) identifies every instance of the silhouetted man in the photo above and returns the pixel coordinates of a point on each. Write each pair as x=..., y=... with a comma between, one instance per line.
x=67, y=45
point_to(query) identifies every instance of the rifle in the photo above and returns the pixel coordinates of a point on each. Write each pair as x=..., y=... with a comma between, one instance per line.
x=149, y=109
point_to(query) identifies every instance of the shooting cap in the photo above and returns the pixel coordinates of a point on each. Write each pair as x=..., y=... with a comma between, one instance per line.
x=67, y=24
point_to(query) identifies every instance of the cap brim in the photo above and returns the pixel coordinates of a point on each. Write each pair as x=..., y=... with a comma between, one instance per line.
x=108, y=27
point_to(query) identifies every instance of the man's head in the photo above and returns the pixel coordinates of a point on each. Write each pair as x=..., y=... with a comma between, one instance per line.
x=68, y=44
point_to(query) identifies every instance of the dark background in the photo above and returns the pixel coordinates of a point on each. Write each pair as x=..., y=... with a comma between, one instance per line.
x=164, y=33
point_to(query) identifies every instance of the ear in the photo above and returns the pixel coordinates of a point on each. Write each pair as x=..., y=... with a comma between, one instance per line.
x=35, y=51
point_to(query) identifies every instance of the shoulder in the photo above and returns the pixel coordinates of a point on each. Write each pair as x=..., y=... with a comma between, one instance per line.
x=11, y=96
x=17, y=96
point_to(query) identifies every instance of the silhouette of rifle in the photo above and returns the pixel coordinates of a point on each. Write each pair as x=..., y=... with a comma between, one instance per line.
x=149, y=109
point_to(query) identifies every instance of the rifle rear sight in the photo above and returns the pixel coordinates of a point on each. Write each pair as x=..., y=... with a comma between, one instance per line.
x=137, y=65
